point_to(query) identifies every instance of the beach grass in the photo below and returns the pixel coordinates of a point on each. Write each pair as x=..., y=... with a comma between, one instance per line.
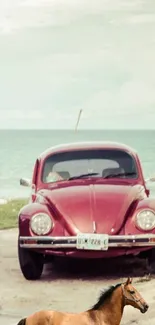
x=9, y=213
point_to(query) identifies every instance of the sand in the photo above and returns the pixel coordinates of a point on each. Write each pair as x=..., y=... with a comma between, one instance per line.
x=66, y=287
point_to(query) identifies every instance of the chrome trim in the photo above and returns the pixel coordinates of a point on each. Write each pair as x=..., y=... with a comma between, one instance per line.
x=48, y=242
x=137, y=215
x=45, y=214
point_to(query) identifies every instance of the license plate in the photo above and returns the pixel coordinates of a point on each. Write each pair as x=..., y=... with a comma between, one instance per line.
x=92, y=241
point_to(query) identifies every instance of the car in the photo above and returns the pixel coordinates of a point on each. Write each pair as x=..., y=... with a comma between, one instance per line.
x=87, y=200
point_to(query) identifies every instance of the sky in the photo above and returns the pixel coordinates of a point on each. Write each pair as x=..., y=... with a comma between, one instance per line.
x=60, y=56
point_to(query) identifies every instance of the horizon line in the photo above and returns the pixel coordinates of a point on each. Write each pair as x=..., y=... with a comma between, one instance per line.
x=80, y=129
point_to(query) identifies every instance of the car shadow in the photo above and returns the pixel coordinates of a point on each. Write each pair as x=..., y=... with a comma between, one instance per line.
x=71, y=269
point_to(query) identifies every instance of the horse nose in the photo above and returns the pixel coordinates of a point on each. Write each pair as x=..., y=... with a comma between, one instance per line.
x=146, y=307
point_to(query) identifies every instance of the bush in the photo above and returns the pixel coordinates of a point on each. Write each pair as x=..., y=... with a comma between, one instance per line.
x=9, y=213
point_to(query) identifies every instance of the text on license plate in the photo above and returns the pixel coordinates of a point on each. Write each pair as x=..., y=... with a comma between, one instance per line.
x=92, y=241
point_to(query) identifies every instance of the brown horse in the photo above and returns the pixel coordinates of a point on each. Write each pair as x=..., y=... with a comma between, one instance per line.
x=108, y=310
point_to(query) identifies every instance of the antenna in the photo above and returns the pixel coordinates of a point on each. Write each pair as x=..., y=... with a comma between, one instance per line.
x=78, y=120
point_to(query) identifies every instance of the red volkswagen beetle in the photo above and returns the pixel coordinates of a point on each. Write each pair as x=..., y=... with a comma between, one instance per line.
x=89, y=200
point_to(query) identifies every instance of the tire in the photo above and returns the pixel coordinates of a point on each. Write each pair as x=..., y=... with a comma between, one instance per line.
x=31, y=263
x=151, y=261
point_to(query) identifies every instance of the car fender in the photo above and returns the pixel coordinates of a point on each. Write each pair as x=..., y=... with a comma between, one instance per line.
x=130, y=226
x=31, y=209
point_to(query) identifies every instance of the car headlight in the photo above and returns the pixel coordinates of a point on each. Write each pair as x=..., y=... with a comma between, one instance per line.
x=146, y=220
x=41, y=223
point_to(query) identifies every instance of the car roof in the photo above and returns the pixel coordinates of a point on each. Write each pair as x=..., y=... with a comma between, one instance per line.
x=84, y=145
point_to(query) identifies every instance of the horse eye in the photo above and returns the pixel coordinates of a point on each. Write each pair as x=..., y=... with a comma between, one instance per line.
x=132, y=292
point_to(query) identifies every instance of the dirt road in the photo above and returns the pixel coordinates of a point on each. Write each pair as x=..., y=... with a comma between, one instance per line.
x=60, y=289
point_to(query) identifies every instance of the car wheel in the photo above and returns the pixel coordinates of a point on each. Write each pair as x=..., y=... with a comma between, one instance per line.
x=31, y=263
x=151, y=260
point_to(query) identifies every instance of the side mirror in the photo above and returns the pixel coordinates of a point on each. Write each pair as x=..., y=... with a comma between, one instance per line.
x=25, y=182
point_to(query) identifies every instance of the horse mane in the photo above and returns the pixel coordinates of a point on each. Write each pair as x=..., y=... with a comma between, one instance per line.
x=104, y=296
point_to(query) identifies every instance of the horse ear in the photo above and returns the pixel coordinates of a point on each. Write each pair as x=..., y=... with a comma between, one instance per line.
x=128, y=281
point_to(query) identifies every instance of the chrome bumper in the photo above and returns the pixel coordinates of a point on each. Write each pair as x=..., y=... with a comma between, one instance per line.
x=48, y=242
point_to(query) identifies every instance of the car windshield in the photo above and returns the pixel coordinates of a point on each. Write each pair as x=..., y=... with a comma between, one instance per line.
x=81, y=164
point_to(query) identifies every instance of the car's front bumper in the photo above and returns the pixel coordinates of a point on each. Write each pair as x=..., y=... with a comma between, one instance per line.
x=48, y=242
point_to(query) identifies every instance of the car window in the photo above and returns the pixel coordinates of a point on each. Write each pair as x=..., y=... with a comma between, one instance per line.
x=69, y=164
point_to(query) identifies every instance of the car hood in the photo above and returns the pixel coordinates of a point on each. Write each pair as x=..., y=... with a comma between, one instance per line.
x=88, y=208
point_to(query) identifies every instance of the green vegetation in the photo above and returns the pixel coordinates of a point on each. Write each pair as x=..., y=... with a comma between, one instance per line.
x=9, y=213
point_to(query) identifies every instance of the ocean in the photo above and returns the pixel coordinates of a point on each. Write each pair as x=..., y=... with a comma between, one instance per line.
x=20, y=148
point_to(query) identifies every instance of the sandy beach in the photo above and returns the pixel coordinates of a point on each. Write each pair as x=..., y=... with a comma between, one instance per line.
x=62, y=289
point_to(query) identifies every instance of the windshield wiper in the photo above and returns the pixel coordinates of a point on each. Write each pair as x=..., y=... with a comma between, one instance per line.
x=119, y=175
x=82, y=176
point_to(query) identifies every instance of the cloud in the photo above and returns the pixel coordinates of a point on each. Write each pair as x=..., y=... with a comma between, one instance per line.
x=140, y=19
x=63, y=55
x=15, y=15
x=133, y=97
x=19, y=114
x=96, y=5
